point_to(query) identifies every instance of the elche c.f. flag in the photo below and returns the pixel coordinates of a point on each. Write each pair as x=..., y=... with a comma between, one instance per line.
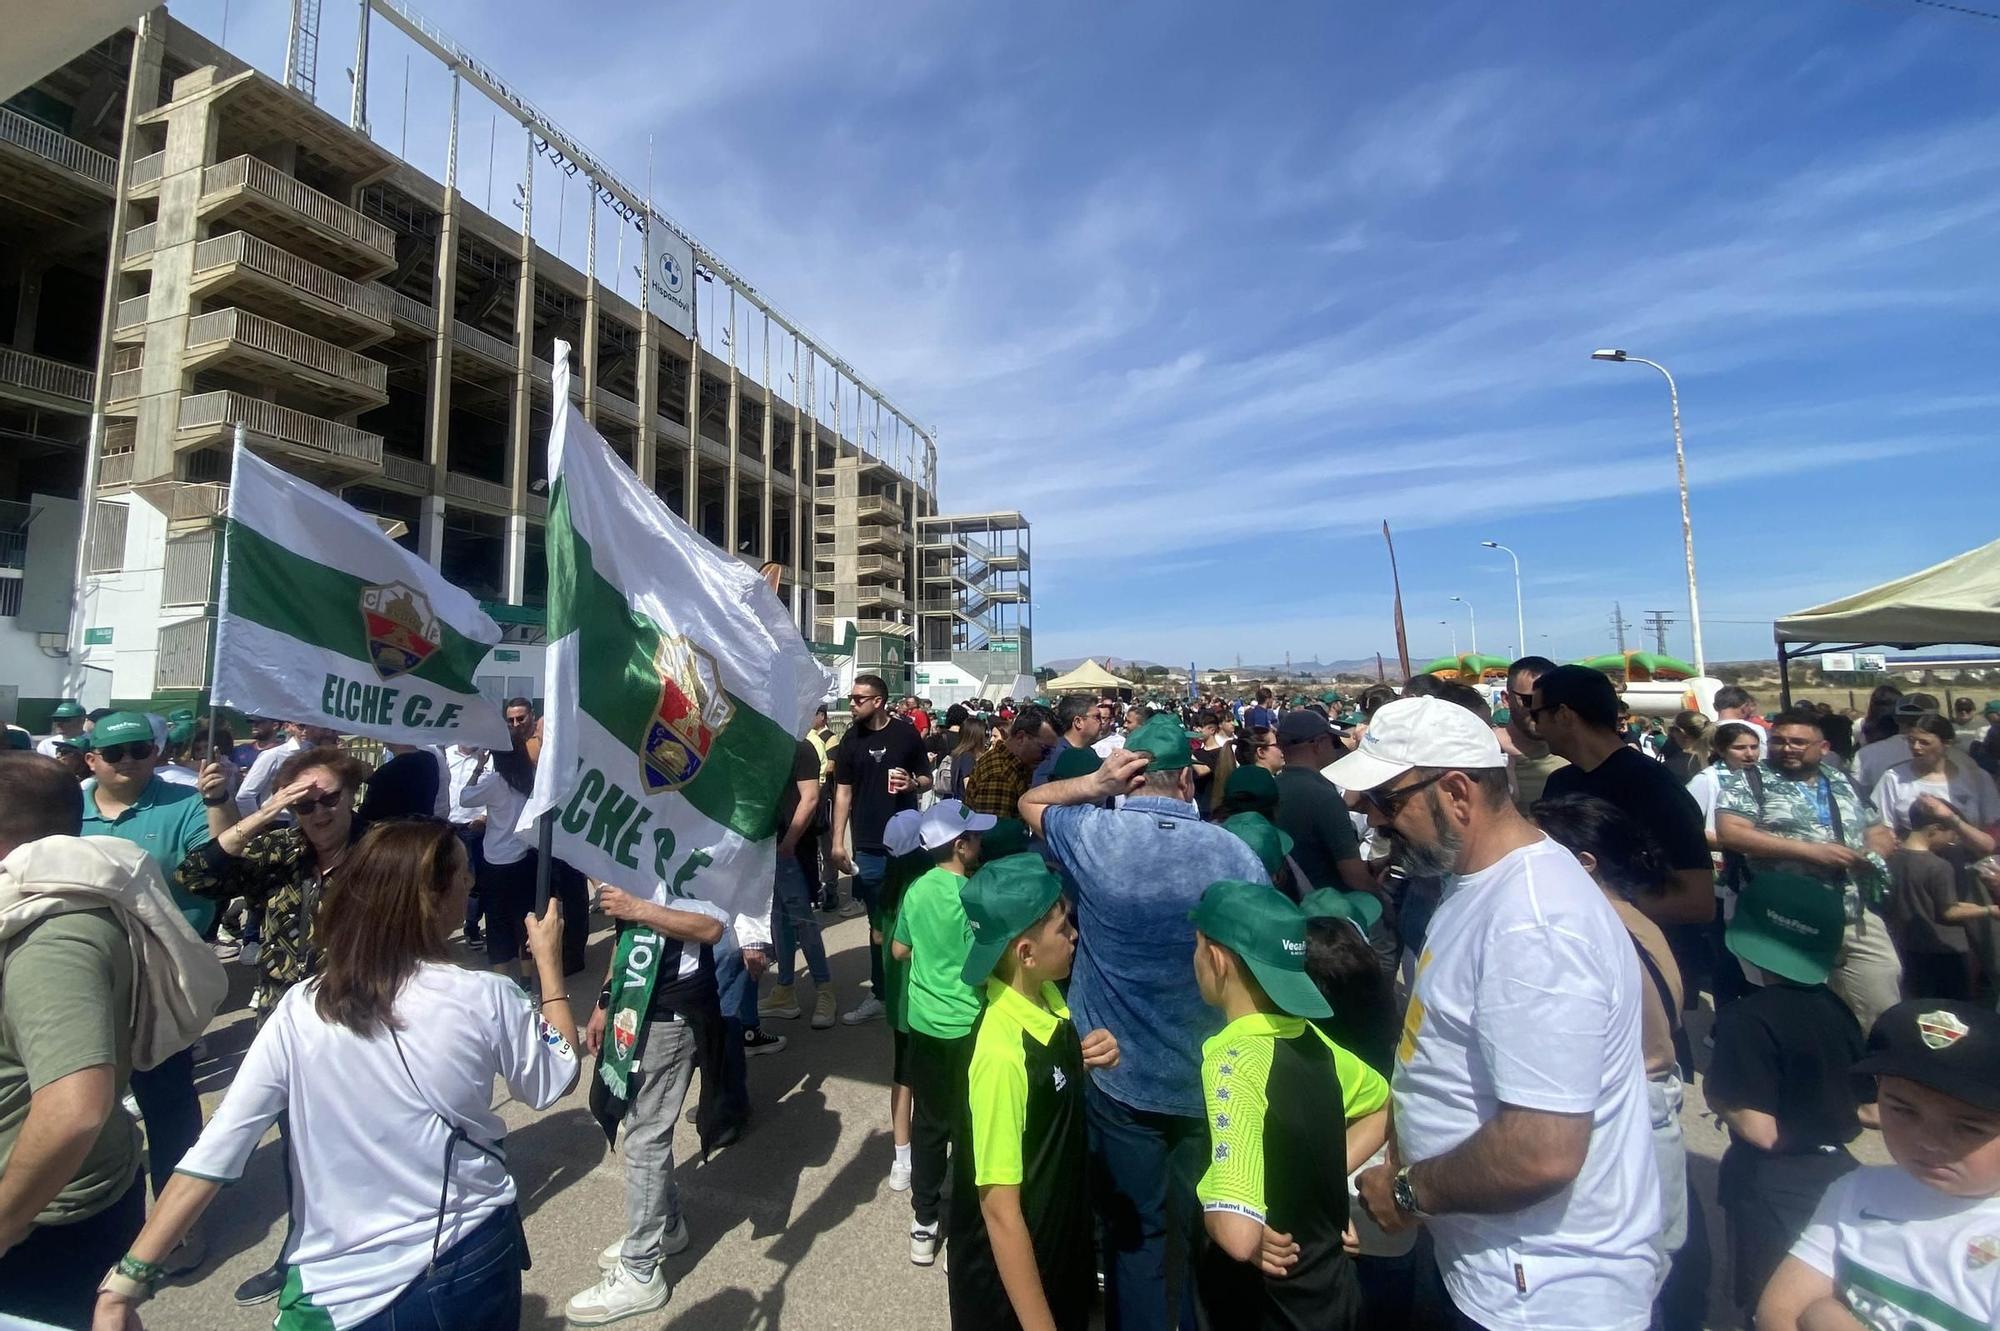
x=678, y=687
x=326, y=621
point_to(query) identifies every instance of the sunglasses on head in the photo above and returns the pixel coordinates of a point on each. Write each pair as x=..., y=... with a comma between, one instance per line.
x=306, y=806
x=118, y=753
x=1389, y=803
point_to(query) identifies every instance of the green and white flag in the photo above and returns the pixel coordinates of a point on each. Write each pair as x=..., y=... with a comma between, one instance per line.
x=678, y=687
x=327, y=621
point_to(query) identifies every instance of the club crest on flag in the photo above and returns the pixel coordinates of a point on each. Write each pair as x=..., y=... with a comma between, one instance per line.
x=691, y=715
x=402, y=631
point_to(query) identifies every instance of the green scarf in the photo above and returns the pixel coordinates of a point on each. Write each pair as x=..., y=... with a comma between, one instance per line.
x=634, y=971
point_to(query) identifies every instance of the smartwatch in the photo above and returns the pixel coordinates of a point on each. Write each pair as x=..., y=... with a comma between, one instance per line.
x=1404, y=1194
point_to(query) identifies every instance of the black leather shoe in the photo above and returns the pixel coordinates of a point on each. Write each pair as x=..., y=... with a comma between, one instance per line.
x=261, y=1288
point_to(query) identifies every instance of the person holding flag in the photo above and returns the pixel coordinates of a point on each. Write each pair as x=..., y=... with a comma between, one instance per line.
x=678, y=687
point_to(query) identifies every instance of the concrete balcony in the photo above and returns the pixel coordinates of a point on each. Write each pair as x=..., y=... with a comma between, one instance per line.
x=407, y=471
x=317, y=444
x=543, y=372
x=879, y=536
x=869, y=594
x=183, y=658
x=478, y=352
x=64, y=178
x=144, y=179
x=487, y=495
x=878, y=508
x=139, y=244
x=114, y=469
x=263, y=197
x=265, y=351
x=42, y=382
x=253, y=274
x=617, y=407
x=128, y=319
x=412, y=314
x=881, y=566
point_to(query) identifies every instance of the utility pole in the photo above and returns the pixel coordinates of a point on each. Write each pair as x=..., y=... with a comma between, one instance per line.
x=1657, y=623
x=1618, y=625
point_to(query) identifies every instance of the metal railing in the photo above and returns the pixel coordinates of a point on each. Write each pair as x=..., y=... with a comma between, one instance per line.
x=260, y=177
x=314, y=433
x=183, y=659
x=189, y=574
x=139, y=240
x=122, y=386
x=880, y=566
x=55, y=146
x=131, y=312
x=615, y=404
x=39, y=374
x=274, y=339
x=878, y=508
x=411, y=310
x=114, y=469
x=147, y=169
x=368, y=299
x=198, y=501
x=460, y=486
x=481, y=343
x=406, y=471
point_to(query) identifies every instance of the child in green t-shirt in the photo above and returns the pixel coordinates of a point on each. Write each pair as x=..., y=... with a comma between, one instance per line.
x=931, y=935
x=908, y=861
x=1274, y=1199
x=1021, y=1225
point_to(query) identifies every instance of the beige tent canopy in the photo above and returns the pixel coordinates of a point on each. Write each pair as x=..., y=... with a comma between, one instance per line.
x=1086, y=678
x=1957, y=601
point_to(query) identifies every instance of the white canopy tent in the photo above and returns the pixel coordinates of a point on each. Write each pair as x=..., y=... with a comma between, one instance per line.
x=1957, y=601
x=1089, y=677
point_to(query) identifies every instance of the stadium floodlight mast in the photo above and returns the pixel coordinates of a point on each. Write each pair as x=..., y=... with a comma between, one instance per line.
x=1475, y=622
x=1520, y=619
x=1680, y=467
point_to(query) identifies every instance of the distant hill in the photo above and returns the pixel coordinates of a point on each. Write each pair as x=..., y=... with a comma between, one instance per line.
x=1356, y=666
x=1063, y=665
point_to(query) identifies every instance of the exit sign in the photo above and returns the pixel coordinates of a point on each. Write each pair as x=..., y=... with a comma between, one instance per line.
x=97, y=637
x=506, y=654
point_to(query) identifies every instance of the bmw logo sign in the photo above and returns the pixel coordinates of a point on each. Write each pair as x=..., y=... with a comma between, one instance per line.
x=670, y=272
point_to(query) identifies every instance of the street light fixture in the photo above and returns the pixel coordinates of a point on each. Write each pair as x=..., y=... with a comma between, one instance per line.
x=1680, y=467
x=1454, y=636
x=1475, y=622
x=1520, y=619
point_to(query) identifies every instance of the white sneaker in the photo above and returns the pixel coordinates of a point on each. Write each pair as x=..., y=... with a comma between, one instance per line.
x=899, y=1176
x=923, y=1244
x=675, y=1242
x=853, y=907
x=618, y=1296
x=869, y=1009
x=823, y=1010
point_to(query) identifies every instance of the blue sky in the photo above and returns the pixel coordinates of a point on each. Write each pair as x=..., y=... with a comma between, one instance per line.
x=1210, y=292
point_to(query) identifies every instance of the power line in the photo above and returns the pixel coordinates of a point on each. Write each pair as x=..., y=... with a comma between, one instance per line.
x=1958, y=9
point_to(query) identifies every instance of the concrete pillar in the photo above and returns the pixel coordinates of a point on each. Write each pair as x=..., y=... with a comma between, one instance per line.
x=28, y=312
x=430, y=530
x=587, y=335
x=691, y=472
x=732, y=539
x=766, y=538
x=524, y=350
x=515, y=567
x=444, y=310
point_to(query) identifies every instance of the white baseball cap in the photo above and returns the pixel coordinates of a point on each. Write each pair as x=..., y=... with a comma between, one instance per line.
x=1417, y=732
x=904, y=833
x=948, y=820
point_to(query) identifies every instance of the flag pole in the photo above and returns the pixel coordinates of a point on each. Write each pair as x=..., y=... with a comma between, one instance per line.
x=544, y=860
x=236, y=446
x=1402, y=637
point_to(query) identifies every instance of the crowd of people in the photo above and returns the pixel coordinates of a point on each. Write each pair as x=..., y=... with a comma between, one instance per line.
x=1267, y=1011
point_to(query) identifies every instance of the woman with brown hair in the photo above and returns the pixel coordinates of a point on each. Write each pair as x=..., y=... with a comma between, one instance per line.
x=384, y=1063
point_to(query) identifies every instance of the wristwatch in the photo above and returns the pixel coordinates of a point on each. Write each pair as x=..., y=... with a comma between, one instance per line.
x=1404, y=1194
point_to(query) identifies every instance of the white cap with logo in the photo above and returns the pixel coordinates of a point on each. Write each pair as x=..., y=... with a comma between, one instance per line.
x=948, y=820
x=1417, y=732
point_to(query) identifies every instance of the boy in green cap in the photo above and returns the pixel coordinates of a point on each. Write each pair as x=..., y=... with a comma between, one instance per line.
x=1021, y=1224
x=930, y=934
x=1780, y=1075
x=1274, y=1199
x=1273, y=847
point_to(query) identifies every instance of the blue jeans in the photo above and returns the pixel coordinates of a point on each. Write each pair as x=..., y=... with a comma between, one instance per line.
x=798, y=927
x=172, y=1110
x=476, y=1283
x=738, y=997
x=1146, y=1166
x=869, y=868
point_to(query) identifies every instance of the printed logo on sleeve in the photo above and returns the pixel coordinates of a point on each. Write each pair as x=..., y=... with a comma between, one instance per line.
x=553, y=1038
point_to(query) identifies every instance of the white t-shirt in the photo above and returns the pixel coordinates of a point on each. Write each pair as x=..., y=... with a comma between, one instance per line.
x=257, y=783
x=55, y=744
x=1871, y=760
x=1901, y=1253
x=501, y=844
x=177, y=774
x=460, y=764
x=1527, y=992
x=1963, y=786
x=1705, y=786
x=368, y=1137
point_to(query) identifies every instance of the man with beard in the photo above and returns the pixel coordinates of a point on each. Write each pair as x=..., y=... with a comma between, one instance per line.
x=1522, y=1136
x=1533, y=758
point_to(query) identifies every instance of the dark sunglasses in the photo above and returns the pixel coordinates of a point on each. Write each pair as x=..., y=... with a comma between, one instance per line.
x=118, y=753
x=1389, y=803
x=304, y=807
x=864, y=697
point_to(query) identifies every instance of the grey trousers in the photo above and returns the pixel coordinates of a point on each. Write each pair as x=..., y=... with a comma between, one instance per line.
x=662, y=1069
x=1868, y=975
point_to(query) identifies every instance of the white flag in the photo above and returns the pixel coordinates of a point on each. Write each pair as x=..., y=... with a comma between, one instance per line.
x=327, y=621
x=678, y=688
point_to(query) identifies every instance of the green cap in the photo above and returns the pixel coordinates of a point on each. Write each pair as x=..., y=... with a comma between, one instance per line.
x=1007, y=836
x=1789, y=925
x=1074, y=762
x=1992, y=708
x=180, y=725
x=1166, y=739
x=1363, y=909
x=18, y=738
x=1254, y=921
x=1251, y=789
x=69, y=709
x=1271, y=842
x=1002, y=901
x=121, y=728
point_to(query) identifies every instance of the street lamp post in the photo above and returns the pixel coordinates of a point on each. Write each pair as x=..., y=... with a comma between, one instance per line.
x=1475, y=622
x=1680, y=467
x=1520, y=619
x=1446, y=623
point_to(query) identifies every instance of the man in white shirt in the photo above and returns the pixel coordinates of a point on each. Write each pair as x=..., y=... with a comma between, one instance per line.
x=66, y=725
x=462, y=764
x=1522, y=1132
x=257, y=782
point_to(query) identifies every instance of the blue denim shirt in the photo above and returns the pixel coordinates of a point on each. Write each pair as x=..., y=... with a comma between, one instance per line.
x=1138, y=871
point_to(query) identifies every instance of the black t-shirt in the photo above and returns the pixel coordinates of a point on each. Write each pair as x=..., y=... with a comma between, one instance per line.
x=805, y=767
x=1922, y=887
x=1649, y=794
x=1786, y=1050
x=862, y=760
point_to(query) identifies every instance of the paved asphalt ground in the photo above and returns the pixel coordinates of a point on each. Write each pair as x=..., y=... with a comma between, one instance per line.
x=793, y=1227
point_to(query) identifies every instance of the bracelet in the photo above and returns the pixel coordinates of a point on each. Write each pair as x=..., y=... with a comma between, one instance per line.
x=139, y=1269
x=553, y=998
x=216, y=804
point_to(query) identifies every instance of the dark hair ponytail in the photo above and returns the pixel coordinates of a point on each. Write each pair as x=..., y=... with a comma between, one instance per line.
x=1629, y=860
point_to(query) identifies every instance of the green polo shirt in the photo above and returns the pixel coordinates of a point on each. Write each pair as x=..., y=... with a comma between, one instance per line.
x=167, y=821
x=932, y=925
